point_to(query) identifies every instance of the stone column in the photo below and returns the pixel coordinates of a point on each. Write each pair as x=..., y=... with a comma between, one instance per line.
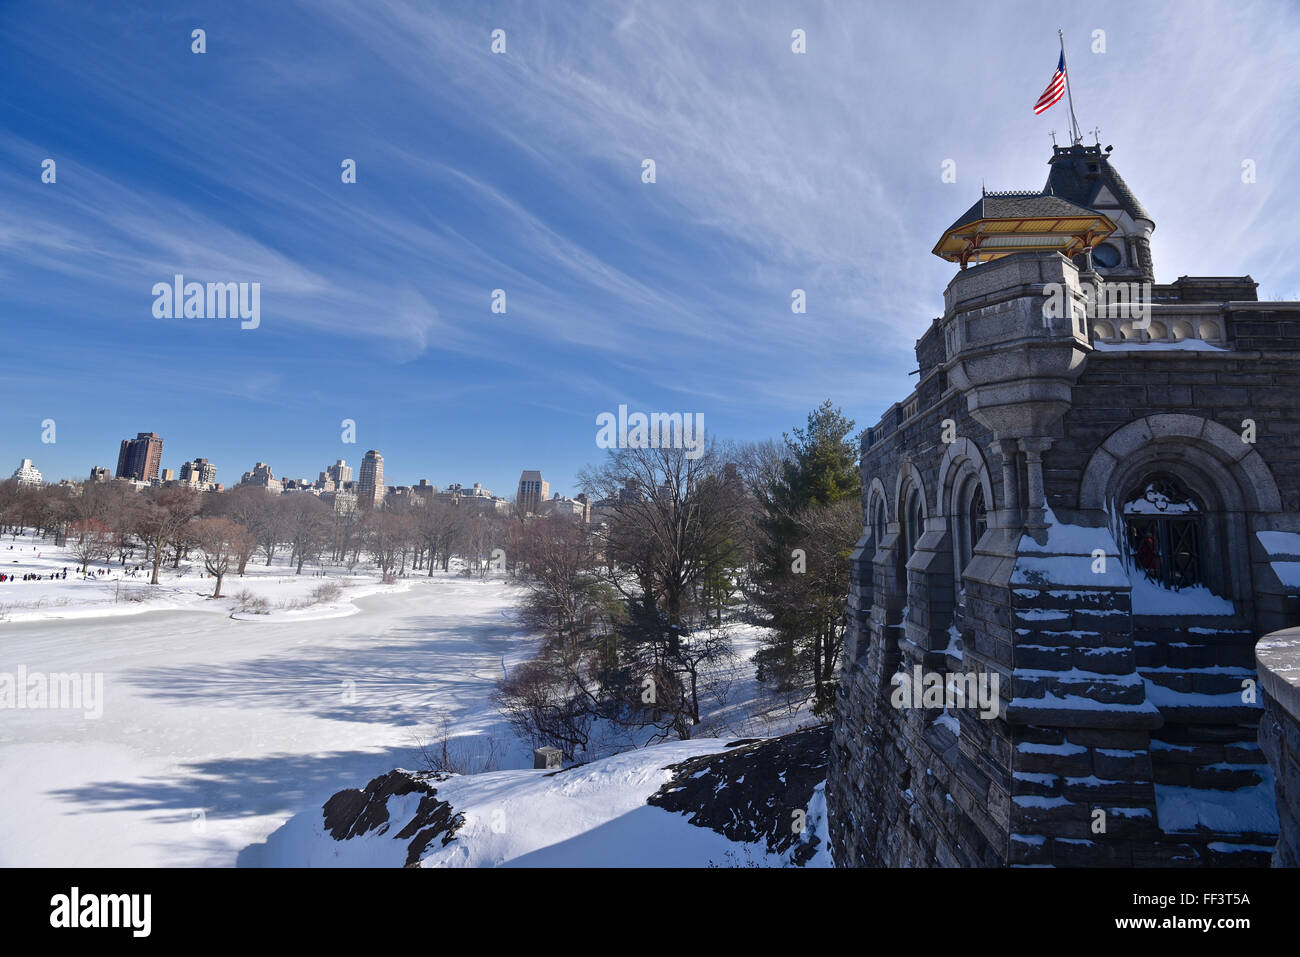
x=1034, y=449
x=1005, y=450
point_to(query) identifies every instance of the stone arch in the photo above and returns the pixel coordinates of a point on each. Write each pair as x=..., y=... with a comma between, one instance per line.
x=908, y=472
x=910, y=528
x=961, y=456
x=1226, y=472
x=876, y=492
x=876, y=498
x=1203, y=439
x=963, y=466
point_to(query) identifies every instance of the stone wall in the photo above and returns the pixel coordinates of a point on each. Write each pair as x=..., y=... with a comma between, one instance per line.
x=1109, y=717
x=1278, y=656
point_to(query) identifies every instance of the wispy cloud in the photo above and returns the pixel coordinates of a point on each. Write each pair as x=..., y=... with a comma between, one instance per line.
x=775, y=171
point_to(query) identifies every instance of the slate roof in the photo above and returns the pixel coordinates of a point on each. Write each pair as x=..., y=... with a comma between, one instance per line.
x=1021, y=205
x=1070, y=179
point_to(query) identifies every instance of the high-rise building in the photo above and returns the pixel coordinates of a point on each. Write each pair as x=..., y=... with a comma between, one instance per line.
x=199, y=472
x=477, y=497
x=264, y=477
x=533, y=491
x=99, y=473
x=342, y=500
x=27, y=473
x=370, y=486
x=578, y=507
x=336, y=475
x=138, y=458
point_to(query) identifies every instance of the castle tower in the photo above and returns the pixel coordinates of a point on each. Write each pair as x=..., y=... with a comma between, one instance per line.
x=1084, y=176
x=1064, y=515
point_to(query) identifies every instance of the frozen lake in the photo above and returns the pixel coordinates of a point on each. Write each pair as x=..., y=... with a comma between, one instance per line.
x=214, y=731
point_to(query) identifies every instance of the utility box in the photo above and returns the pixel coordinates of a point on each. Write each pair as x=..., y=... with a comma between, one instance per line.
x=547, y=758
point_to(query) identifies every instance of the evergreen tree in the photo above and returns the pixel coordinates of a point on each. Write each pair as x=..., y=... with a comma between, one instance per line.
x=807, y=532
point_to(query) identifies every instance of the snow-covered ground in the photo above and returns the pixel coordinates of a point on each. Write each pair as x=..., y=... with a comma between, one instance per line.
x=217, y=729
x=111, y=589
x=595, y=815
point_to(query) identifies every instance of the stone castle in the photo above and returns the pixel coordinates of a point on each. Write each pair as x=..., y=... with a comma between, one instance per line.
x=1095, y=509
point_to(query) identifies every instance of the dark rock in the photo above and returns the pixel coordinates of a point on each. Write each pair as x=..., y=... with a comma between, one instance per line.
x=751, y=792
x=353, y=813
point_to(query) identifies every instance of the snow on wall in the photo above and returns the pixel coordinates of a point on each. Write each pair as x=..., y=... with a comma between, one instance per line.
x=1182, y=809
x=1065, y=557
x=1150, y=598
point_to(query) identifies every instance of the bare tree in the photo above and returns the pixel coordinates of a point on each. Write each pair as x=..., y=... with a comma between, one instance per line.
x=91, y=539
x=676, y=516
x=162, y=520
x=222, y=542
x=309, y=527
x=271, y=524
x=383, y=533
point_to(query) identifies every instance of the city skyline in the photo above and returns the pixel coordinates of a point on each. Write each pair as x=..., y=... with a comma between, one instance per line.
x=201, y=473
x=523, y=172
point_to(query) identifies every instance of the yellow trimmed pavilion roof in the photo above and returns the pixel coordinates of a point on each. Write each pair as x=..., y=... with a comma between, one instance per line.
x=1004, y=223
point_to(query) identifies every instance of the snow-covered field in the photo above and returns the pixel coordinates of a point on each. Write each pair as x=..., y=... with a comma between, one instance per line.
x=216, y=729
x=123, y=591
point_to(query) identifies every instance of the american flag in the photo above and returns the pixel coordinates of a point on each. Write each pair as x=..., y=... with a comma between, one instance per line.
x=1055, y=90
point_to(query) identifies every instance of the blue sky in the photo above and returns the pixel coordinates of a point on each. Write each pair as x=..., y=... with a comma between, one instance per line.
x=522, y=171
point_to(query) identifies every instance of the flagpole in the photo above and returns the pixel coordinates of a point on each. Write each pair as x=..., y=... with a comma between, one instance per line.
x=1074, y=134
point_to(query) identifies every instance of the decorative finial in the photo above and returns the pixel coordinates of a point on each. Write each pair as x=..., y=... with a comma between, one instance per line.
x=1096, y=131
x=1053, y=138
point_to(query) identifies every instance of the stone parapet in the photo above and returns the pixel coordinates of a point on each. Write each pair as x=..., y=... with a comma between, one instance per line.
x=1278, y=660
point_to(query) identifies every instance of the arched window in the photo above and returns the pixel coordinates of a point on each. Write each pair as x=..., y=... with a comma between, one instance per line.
x=878, y=523
x=1164, y=525
x=913, y=521
x=971, y=521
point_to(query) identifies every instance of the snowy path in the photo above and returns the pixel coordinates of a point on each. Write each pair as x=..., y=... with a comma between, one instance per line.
x=215, y=731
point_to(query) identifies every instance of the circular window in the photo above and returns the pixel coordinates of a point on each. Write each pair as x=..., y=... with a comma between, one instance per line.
x=1106, y=256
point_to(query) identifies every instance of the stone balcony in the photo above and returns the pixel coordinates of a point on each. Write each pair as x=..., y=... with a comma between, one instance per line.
x=1177, y=328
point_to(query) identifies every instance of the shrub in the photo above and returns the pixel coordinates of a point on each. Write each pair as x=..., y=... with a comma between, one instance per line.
x=329, y=591
x=247, y=601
